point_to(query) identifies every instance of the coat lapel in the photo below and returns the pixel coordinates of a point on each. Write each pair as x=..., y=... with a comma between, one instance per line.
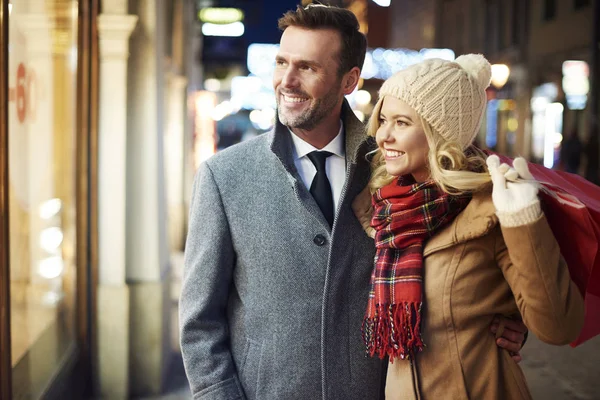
x=356, y=140
x=476, y=220
x=357, y=145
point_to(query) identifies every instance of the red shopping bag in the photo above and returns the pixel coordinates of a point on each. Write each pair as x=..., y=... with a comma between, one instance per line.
x=572, y=206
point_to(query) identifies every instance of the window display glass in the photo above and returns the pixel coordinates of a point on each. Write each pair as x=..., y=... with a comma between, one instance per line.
x=42, y=120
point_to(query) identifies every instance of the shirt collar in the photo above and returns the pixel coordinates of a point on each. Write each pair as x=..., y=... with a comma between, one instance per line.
x=336, y=146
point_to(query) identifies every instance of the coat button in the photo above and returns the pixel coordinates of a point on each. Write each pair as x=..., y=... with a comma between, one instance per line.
x=320, y=240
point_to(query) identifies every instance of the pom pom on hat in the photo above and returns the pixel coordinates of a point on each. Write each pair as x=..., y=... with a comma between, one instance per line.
x=449, y=95
x=478, y=67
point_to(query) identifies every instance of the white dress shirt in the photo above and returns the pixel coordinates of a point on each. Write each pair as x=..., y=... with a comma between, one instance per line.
x=335, y=165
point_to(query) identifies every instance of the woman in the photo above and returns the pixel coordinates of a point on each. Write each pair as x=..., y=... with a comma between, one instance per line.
x=458, y=241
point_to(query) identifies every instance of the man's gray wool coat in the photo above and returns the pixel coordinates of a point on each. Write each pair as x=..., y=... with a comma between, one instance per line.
x=272, y=301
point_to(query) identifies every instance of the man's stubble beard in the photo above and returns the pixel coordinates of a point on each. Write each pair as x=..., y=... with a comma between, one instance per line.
x=309, y=119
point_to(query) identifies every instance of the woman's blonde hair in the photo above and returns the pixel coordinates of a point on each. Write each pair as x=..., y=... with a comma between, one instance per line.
x=456, y=171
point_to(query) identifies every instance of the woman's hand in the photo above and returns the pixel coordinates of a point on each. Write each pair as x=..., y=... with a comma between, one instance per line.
x=514, y=193
x=363, y=209
x=510, y=335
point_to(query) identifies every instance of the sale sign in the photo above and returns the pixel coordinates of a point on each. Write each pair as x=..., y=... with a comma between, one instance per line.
x=24, y=94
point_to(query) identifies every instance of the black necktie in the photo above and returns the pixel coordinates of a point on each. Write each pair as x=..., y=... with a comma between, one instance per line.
x=320, y=187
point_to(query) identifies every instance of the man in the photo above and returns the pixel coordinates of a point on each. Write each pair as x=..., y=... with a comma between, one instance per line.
x=277, y=267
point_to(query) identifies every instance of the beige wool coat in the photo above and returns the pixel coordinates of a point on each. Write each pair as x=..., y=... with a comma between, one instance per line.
x=475, y=269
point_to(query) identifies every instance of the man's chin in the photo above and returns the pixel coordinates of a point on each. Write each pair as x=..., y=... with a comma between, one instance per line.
x=292, y=121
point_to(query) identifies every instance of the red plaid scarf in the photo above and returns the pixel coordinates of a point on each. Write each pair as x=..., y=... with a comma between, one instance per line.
x=404, y=217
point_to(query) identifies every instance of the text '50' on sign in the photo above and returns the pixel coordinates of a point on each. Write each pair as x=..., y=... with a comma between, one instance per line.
x=24, y=94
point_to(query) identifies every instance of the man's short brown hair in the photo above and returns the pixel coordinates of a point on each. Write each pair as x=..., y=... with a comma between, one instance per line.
x=316, y=16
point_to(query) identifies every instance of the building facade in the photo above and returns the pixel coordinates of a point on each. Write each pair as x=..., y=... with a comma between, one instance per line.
x=529, y=114
x=96, y=147
x=498, y=29
x=46, y=132
x=561, y=59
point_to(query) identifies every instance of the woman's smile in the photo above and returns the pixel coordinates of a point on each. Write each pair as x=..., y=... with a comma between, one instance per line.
x=393, y=154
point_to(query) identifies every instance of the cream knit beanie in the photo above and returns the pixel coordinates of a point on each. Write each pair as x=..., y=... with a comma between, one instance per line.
x=449, y=95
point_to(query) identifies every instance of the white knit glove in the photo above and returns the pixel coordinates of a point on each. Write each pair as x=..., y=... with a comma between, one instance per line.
x=514, y=193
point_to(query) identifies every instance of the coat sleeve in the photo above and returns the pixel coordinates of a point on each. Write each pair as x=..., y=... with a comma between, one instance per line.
x=207, y=277
x=550, y=303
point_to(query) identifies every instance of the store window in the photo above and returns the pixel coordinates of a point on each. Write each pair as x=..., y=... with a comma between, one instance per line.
x=42, y=116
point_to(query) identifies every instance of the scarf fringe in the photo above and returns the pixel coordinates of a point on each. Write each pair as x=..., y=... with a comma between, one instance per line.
x=394, y=330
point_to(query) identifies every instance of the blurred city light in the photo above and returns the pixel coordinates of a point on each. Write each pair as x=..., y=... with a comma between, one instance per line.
x=444, y=54
x=383, y=3
x=51, y=267
x=50, y=208
x=202, y=104
x=507, y=105
x=538, y=107
x=500, y=74
x=248, y=84
x=51, y=298
x=51, y=239
x=553, y=128
x=575, y=83
x=548, y=90
x=221, y=15
x=212, y=84
x=491, y=137
x=360, y=115
x=383, y=63
x=369, y=69
x=263, y=119
x=542, y=128
x=379, y=63
x=222, y=110
x=558, y=138
x=261, y=59
x=362, y=97
x=252, y=92
x=377, y=53
x=234, y=29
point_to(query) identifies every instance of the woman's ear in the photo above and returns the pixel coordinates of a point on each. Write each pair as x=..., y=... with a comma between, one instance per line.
x=351, y=79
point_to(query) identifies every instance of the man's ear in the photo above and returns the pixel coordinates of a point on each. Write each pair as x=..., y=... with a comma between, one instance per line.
x=350, y=80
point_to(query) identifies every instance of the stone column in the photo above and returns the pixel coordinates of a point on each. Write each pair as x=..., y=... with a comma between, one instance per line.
x=148, y=265
x=195, y=73
x=113, y=293
x=174, y=160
